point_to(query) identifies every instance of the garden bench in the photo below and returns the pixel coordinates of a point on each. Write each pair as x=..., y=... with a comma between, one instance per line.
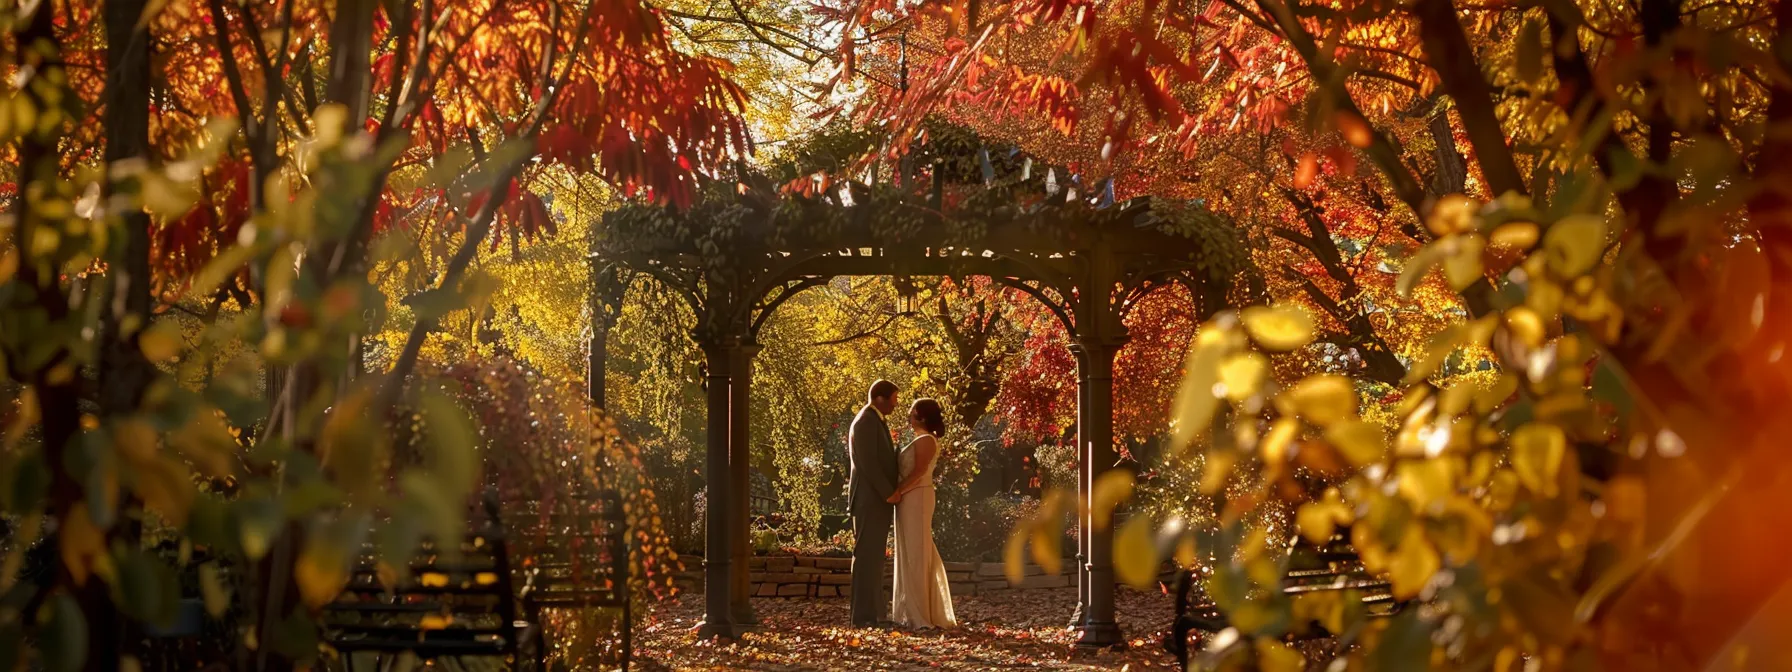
x=451, y=605
x=582, y=562
x=1332, y=566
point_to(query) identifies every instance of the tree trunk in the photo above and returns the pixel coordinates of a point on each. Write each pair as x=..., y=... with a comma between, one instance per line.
x=124, y=373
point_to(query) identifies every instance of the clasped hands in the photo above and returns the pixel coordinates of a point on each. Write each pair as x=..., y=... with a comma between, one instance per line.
x=895, y=498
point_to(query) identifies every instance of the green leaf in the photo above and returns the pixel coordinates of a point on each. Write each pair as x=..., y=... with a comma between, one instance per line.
x=433, y=303
x=454, y=455
x=1404, y=645
x=439, y=511
x=398, y=539
x=63, y=639
x=258, y=522
x=30, y=483
x=145, y=588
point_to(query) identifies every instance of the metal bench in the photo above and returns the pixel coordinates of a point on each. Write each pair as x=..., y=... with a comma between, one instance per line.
x=581, y=562
x=1332, y=566
x=451, y=605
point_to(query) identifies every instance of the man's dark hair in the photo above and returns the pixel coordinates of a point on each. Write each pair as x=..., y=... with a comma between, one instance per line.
x=882, y=388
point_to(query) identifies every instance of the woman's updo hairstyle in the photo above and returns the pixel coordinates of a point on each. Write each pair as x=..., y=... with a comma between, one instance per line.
x=931, y=415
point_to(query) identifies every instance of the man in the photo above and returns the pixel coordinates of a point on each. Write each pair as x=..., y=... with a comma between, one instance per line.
x=870, y=483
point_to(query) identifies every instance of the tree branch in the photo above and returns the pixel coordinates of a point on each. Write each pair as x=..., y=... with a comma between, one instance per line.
x=1448, y=50
x=1325, y=75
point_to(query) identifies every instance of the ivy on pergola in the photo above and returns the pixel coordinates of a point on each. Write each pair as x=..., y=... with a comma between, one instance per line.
x=749, y=245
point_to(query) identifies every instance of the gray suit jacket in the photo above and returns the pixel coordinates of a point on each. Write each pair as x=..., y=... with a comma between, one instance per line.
x=872, y=478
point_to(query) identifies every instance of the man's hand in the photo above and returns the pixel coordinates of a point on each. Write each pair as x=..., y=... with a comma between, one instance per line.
x=895, y=498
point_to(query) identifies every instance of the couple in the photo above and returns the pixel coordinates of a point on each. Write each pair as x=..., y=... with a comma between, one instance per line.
x=881, y=477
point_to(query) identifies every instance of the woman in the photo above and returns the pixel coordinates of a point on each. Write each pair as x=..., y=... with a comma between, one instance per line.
x=921, y=597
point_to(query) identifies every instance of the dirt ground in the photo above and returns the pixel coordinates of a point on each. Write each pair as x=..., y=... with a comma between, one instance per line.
x=1014, y=631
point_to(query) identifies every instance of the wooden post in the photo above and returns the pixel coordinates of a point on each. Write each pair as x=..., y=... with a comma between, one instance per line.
x=1099, y=337
x=740, y=456
x=718, y=554
x=1097, y=373
x=1081, y=615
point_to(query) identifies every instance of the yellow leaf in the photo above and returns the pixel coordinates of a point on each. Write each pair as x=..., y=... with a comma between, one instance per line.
x=1323, y=400
x=135, y=440
x=1514, y=235
x=207, y=441
x=1412, y=564
x=1463, y=267
x=1215, y=469
x=1047, y=541
x=1453, y=214
x=1275, y=444
x=320, y=576
x=1186, y=553
x=166, y=488
x=1426, y=481
x=1495, y=395
x=1362, y=442
x=1135, y=553
x=1242, y=375
x=160, y=343
x=1278, y=328
x=213, y=589
x=1316, y=522
x=1014, y=563
x=1111, y=488
x=1525, y=325
x=1418, y=266
x=1274, y=656
x=81, y=542
x=1537, y=452
x=1195, y=402
x=1574, y=244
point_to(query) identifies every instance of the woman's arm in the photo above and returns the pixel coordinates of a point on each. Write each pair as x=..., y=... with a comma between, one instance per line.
x=925, y=447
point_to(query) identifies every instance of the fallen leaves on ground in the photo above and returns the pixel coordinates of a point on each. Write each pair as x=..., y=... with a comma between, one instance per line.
x=1017, y=630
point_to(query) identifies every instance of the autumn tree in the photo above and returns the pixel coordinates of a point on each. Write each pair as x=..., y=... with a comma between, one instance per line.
x=173, y=157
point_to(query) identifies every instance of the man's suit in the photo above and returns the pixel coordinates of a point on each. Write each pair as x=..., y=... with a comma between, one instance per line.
x=871, y=481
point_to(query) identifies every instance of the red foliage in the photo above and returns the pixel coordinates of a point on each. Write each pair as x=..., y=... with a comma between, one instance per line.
x=179, y=248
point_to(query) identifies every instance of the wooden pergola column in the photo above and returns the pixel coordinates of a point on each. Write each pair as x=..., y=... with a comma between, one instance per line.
x=1081, y=615
x=1095, y=380
x=718, y=551
x=740, y=456
x=1099, y=335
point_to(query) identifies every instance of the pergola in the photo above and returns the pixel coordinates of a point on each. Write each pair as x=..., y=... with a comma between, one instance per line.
x=735, y=262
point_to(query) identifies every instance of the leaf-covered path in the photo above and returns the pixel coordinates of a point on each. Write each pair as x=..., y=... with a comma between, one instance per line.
x=1013, y=631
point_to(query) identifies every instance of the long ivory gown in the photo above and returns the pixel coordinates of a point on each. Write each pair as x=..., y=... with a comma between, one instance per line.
x=921, y=597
